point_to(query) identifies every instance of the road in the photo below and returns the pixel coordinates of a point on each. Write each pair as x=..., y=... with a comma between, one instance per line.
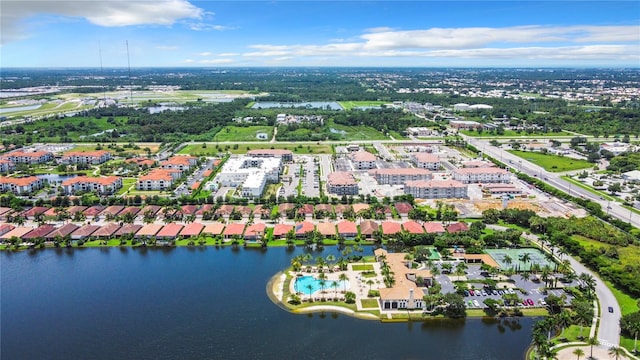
x=553, y=179
x=609, y=330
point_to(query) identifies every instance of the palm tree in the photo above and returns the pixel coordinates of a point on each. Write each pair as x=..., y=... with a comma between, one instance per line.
x=588, y=281
x=343, y=277
x=616, y=351
x=330, y=259
x=563, y=319
x=447, y=266
x=507, y=260
x=578, y=352
x=591, y=342
x=460, y=269
x=370, y=282
x=525, y=276
x=334, y=284
x=310, y=288
x=525, y=258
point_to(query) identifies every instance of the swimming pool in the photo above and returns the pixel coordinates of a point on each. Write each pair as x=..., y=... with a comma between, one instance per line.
x=302, y=285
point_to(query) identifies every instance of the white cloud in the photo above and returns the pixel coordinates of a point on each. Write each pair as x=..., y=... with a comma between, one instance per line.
x=216, y=61
x=228, y=54
x=206, y=53
x=520, y=42
x=111, y=13
x=200, y=26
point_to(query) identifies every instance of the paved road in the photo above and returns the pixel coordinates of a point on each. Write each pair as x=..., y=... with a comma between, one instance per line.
x=609, y=330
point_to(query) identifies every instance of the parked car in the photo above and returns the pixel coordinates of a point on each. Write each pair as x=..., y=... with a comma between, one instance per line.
x=470, y=303
x=530, y=302
x=476, y=303
x=484, y=293
x=471, y=292
x=610, y=309
x=524, y=302
x=466, y=293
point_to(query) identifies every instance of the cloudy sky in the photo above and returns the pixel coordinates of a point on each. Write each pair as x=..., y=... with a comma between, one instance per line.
x=82, y=33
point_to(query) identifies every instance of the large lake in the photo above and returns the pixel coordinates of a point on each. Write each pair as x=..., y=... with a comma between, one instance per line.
x=204, y=303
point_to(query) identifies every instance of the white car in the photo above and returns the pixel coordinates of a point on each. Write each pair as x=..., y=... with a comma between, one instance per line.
x=476, y=303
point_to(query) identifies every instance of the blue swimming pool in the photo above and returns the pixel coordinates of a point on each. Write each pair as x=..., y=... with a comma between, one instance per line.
x=302, y=285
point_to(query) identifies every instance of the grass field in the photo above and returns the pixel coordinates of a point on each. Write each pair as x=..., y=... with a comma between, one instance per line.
x=348, y=105
x=362, y=267
x=553, y=163
x=236, y=133
x=396, y=135
x=153, y=147
x=359, y=132
x=126, y=184
x=514, y=134
x=369, y=303
x=197, y=149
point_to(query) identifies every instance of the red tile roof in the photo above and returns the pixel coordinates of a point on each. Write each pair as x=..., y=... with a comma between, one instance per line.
x=104, y=181
x=457, y=227
x=433, y=227
x=281, y=230
x=134, y=210
x=403, y=208
x=22, y=181
x=368, y=227
x=390, y=228
x=347, y=227
x=326, y=228
x=233, y=229
x=413, y=227
x=39, y=232
x=193, y=229
x=189, y=209
x=107, y=230
x=94, y=210
x=84, y=231
x=363, y=156
x=255, y=230
x=149, y=230
x=127, y=229
x=304, y=227
x=170, y=230
x=36, y=210
x=113, y=210
x=213, y=229
x=62, y=231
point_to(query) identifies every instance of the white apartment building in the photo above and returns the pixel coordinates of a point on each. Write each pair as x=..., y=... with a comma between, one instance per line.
x=482, y=175
x=436, y=189
x=399, y=176
x=252, y=173
x=426, y=161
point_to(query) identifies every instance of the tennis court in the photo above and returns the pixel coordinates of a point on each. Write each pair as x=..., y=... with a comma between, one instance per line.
x=501, y=256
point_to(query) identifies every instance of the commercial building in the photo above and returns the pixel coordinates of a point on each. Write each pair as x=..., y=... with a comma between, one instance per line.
x=436, y=189
x=286, y=155
x=342, y=183
x=252, y=173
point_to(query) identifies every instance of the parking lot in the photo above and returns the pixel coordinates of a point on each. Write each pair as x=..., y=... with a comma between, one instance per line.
x=531, y=289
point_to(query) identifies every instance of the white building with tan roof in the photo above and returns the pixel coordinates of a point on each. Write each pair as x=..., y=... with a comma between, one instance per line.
x=436, y=189
x=426, y=161
x=399, y=176
x=158, y=179
x=482, y=175
x=363, y=160
x=342, y=183
x=101, y=185
x=21, y=185
x=85, y=157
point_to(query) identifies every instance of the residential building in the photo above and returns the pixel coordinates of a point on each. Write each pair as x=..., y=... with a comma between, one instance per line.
x=342, y=183
x=23, y=185
x=482, y=175
x=158, y=179
x=6, y=166
x=106, y=185
x=436, y=189
x=252, y=173
x=86, y=157
x=179, y=162
x=399, y=176
x=363, y=160
x=426, y=161
x=28, y=157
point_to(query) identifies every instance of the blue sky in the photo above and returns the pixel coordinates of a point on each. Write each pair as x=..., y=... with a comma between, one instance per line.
x=178, y=33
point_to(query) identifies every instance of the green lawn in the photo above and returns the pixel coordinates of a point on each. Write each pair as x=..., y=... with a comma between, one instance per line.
x=514, y=134
x=396, y=135
x=237, y=133
x=369, y=303
x=553, y=163
x=362, y=267
x=358, y=132
x=126, y=184
x=213, y=149
x=348, y=105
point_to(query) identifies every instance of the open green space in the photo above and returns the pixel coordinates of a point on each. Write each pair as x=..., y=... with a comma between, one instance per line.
x=348, y=105
x=515, y=134
x=362, y=267
x=126, y=184
x=369, y=303
x=396, y=135
x=358, y=132
x=552, y=163
x=246, y=133
x=214, y=149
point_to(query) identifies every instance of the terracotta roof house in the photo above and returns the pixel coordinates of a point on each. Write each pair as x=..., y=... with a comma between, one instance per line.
x=5, y=228
x=213, y=229
x=302, y=228
x=40, y=232
x=76, y=209
x=4, y=211
x=306, y=209
x=261, y=211
x=18, y=232
x=324, y=207
x=127, y=229
x=368, y=228
x=106, y=231
x=112, y=210
x=244, y=210
x=403, y=208
x=62, y=231
x=434, y=227
x=93, y=211
x=281, y=230
x=189, y=209
x=148, y=231
x=141, y=162
x=341, y=209
x=224, y=210
x=233, y=229
x=34, y=211
x=51, y=212
x=457, y=227
x=133, y=210
x=360, y=207
x=326, y=229
x=84, y=232
x=413, y=227
x=283, y=208
x=347, y=229
x=204, y=209
x=255, y=232
x=191, y=230
x=169, y=231
x=150, y=209
x=391, y=228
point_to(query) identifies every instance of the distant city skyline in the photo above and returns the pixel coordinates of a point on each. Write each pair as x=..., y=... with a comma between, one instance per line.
x=181, y=33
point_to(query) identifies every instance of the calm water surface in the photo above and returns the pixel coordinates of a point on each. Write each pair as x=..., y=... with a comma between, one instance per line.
x=204, y=303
